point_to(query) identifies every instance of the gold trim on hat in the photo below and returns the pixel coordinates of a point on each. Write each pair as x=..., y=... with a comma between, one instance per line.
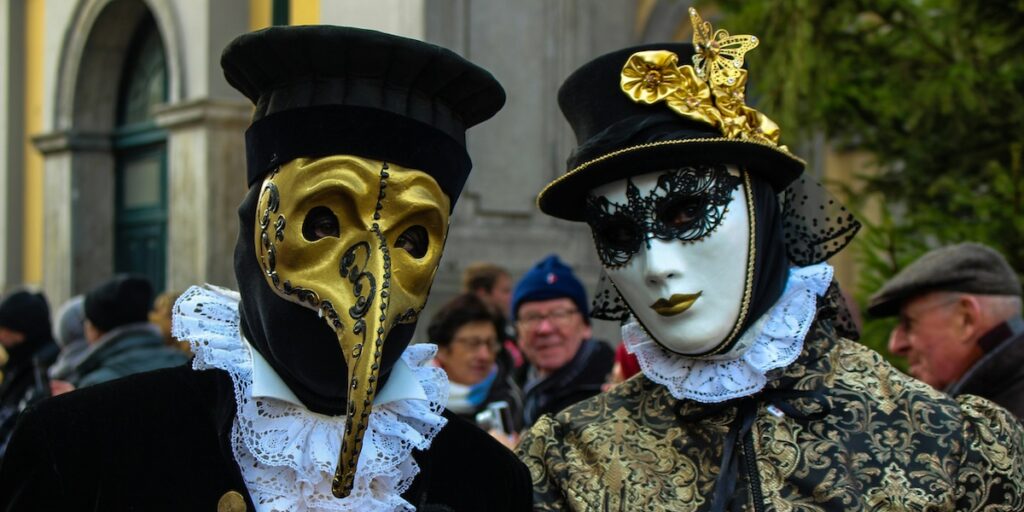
x=649, y=145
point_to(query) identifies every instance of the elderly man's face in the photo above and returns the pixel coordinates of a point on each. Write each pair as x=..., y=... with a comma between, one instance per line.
x=935, y=339
x=551, y=332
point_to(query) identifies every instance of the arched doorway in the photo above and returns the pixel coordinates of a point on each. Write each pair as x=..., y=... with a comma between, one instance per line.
x=136, y=161
x=140, y=149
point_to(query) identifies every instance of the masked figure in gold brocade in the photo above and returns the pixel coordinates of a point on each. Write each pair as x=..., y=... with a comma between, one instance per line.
x=305, y=393
x=751, y=395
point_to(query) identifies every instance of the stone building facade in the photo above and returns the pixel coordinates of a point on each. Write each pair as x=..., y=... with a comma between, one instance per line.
x=75, y=163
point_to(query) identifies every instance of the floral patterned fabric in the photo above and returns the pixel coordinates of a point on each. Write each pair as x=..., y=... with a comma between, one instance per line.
x=852, y=433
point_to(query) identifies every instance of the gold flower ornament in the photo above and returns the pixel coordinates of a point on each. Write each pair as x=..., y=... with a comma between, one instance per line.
x=711, y=91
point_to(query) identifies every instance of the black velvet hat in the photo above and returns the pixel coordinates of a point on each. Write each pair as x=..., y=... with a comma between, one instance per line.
x=619, y=137
x=326, y=90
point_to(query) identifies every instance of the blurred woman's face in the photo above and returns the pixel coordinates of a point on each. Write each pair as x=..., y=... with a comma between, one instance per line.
x=470, y=355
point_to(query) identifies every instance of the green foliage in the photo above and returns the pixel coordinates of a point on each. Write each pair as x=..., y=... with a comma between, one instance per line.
x=934, y=89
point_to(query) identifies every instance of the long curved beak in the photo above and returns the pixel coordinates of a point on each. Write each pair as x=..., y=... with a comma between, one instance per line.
x=362, y=345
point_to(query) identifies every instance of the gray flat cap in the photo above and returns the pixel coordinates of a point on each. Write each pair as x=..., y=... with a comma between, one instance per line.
x=966, y=268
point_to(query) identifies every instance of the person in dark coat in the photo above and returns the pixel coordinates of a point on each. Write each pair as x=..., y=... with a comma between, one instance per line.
x=26, y=335
x=960, y=324
x=304, y=393
x=564, y=364
x=121, y=339
x=69, y=333
x=466, y=331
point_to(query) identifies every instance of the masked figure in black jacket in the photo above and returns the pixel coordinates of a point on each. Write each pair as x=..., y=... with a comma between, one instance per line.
x=305, y=393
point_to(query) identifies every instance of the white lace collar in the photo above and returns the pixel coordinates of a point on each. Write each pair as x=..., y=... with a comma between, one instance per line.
x=402, y=383
x=287, y=453
x=775, y=340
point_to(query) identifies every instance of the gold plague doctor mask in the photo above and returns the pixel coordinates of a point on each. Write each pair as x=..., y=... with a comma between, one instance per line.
x=358, y=241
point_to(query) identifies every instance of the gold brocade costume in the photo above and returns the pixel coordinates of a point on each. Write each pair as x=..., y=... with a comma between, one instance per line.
x=888, y=442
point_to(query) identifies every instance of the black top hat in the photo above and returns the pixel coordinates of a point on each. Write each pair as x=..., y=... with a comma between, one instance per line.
x=326, y=90
x=619, y=137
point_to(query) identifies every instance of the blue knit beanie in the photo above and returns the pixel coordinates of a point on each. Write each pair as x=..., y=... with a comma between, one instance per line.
x=549, y=279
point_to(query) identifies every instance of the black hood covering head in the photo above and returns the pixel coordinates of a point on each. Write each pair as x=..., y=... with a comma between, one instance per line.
x=325, y=90
x=771, y=262
x=298, y=344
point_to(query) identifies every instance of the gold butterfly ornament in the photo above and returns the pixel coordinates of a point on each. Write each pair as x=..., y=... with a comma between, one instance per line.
x=711, y=91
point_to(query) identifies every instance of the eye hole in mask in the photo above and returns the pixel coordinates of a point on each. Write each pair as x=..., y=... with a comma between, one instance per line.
x=680, y=212
x=414, y=240
x=620, y=236
x=319, y=223
x=686, y=205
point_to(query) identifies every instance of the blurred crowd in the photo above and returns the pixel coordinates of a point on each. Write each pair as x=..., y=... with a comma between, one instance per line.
x=514, y=351
x=116, y=329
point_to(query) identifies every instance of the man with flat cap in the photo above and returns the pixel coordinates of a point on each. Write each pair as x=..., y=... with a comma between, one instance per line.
x=960, y=324
x=304, y=393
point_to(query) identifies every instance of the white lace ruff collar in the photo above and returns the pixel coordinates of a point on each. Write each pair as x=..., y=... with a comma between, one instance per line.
x=287, y=453
x=775, y=340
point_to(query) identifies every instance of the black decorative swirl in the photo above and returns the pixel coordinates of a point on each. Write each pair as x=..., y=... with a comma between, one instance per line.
x=406, y=316
x=270, y=260
x=279, y=228
x=332, y=315
x=273, y=202
x=362, y=281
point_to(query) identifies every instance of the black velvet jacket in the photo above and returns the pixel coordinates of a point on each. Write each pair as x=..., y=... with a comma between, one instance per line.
x=161, y=441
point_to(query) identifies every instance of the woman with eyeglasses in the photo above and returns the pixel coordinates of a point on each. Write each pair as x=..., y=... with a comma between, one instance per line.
x=466, y=333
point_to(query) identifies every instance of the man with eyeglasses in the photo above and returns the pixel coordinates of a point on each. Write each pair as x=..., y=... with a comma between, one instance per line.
x=563, y=364
x=960, y=324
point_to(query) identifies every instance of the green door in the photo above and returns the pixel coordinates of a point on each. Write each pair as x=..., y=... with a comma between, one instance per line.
x=140, y=215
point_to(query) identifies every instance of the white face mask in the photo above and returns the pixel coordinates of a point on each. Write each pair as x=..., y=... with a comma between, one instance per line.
x=676, y=244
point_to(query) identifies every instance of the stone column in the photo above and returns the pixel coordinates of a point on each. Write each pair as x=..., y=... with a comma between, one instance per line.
x=12, y=141
x=78, y=214
x=206, y=182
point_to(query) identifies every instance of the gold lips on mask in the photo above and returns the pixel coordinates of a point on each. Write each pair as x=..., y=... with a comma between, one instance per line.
x=358, y=241
x=676, y=304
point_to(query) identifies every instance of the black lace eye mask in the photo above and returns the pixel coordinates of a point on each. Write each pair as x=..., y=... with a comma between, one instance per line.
x=687, y=204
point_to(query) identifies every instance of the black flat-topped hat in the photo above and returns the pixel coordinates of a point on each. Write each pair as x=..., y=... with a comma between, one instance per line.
x=327, y=90
x=644, y=109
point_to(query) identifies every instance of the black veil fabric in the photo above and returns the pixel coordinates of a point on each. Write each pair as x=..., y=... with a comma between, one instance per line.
x=296, y=342
x=801, y=226
x=816, y=226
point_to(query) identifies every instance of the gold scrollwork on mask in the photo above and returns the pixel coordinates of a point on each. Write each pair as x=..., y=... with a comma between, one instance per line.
x=358, y=241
